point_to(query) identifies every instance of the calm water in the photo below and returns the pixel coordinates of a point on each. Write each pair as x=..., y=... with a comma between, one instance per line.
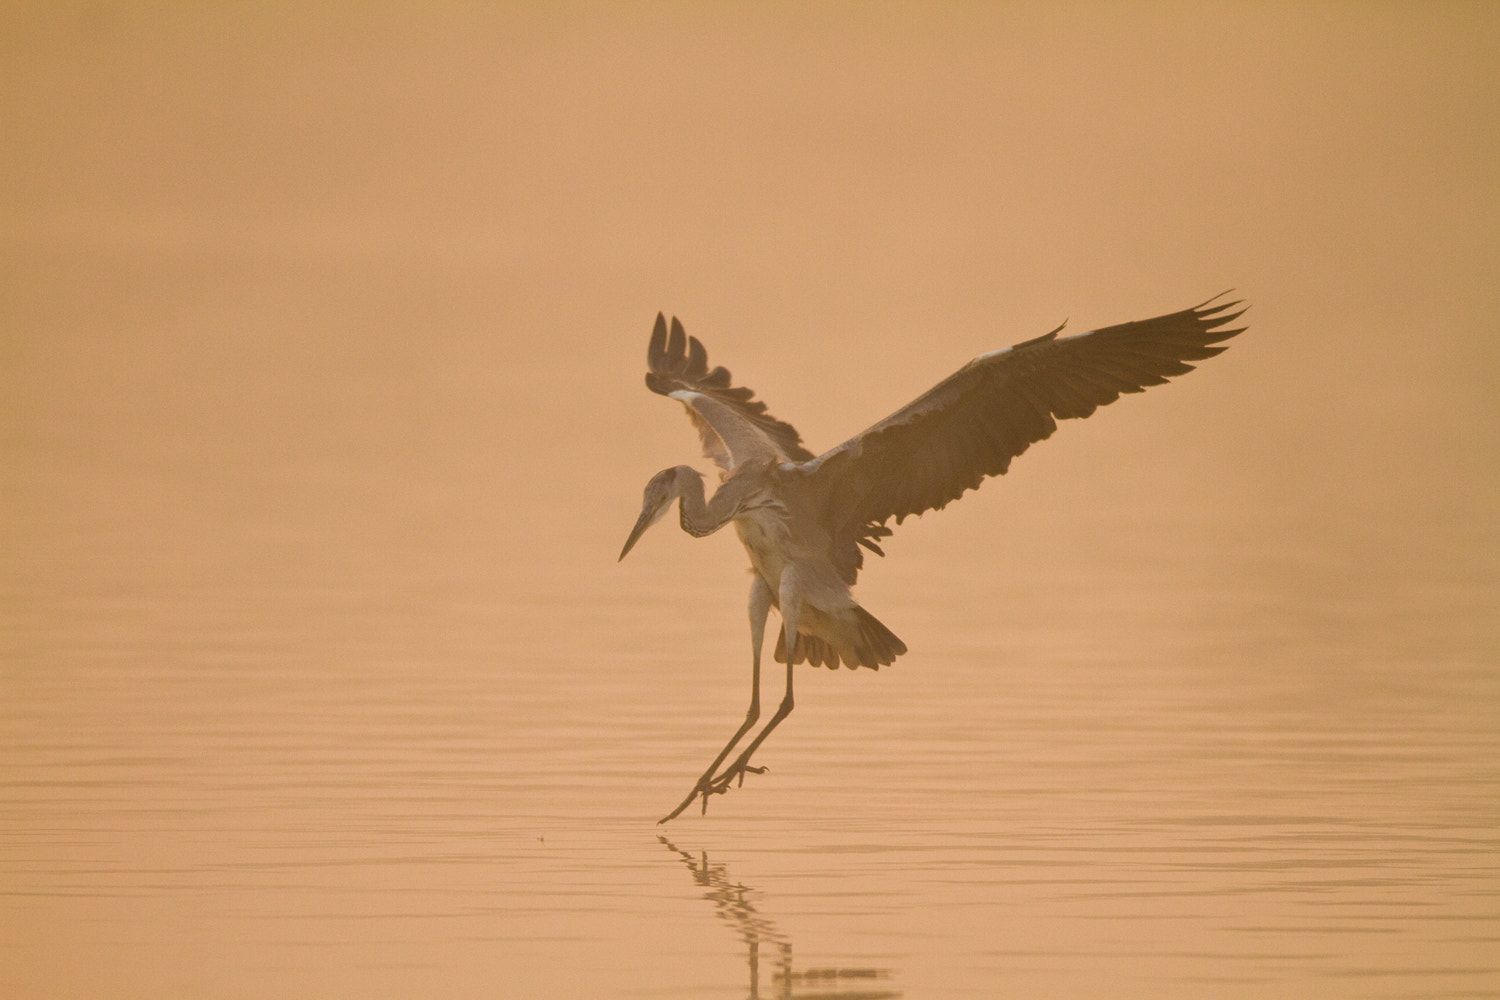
x=316, y=726
x=321, y=426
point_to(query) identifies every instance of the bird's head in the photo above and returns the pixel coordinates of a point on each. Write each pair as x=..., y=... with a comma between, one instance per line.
x=663, y=488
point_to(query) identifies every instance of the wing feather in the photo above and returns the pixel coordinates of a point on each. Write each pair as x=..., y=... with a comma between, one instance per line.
x=733, y=425
x=973, y=423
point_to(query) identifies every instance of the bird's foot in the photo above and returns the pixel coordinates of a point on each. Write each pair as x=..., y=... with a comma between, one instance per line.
x=734, y=772
x=698, y=789
x=705, y=787
x=717, y=785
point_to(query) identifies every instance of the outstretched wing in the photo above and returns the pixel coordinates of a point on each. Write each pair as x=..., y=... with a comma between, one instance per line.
x=974, y=422
x=733, y=424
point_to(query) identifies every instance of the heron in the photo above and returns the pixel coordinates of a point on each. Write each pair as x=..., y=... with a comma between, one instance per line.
x=807, y=520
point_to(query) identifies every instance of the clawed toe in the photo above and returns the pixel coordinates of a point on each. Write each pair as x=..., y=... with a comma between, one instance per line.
x=716, y=785
x=735, y=772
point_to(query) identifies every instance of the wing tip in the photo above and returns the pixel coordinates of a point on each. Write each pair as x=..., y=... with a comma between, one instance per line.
x=658, y=344
x=676, y=361
x=697, y=360
x=676, y=344
x=1212, y=310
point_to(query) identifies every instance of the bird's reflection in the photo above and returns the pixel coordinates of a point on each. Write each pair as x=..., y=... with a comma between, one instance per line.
x=732, y=903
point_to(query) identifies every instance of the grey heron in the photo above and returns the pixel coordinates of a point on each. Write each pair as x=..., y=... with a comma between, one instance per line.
x=804, y=518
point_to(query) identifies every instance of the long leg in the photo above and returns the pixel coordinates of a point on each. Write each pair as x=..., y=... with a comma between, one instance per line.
x=791, y=610
x=760, y=608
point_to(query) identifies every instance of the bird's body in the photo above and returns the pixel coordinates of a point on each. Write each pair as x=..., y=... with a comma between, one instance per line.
x=804, y=519
x=783, y=537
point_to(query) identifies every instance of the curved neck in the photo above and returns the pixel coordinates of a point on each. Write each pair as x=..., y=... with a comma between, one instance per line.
x=700, y=517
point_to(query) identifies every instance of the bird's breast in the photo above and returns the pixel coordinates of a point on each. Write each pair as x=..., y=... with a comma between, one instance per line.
x=768, y=540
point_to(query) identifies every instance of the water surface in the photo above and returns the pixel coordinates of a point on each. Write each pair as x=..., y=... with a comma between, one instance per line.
x=322, y=427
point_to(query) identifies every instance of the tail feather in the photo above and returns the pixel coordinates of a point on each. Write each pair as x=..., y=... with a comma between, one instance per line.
x=859, y=641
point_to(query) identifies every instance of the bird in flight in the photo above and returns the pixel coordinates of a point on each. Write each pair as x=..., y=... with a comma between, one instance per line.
x=806, y=520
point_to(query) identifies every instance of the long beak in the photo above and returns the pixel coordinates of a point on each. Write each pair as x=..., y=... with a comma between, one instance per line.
x=646, y=520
